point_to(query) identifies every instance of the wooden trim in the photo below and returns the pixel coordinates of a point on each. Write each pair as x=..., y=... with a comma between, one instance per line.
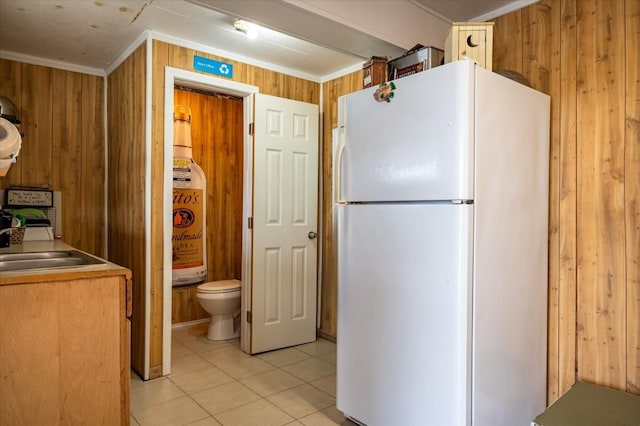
x=155, y=371
x=326, y=335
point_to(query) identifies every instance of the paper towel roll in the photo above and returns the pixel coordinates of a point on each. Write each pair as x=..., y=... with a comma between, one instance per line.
x=10, y=143
x=10, y=140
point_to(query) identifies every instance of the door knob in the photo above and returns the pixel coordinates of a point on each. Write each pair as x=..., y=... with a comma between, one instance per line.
x=312, y=235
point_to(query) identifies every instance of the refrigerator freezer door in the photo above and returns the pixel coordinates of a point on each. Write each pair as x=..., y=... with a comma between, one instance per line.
x=418, y=146
x=403, y=346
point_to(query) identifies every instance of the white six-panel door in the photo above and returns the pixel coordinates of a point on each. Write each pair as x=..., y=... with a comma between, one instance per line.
x=285, y=244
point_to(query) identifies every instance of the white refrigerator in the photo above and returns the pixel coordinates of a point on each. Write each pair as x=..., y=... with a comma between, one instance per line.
x=442, y=198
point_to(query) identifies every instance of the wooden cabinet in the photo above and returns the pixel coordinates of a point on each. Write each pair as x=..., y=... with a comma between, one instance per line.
x=472, y=40
x=64, y=349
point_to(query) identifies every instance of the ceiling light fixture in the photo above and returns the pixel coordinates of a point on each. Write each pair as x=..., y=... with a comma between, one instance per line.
x=250, y=29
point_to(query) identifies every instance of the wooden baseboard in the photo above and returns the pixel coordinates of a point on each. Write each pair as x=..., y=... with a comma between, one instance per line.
x=326, y=335
x=155, y=372
x=187, y=324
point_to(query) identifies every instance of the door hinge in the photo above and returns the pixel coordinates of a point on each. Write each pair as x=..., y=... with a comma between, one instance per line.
x=249, y=317
x=251, y=129
x=250, y=222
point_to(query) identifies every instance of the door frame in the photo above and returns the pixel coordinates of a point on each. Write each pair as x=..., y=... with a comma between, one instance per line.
x=173, y=76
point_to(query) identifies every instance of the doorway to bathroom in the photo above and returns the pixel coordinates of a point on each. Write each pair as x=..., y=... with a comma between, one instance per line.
x=198, y=84
x=285, y=183
x=216, y=138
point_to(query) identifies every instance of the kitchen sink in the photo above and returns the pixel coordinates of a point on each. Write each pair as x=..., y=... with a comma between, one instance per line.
x=46, y=260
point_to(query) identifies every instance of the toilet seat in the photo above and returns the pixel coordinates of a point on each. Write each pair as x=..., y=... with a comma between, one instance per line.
x=223, y=286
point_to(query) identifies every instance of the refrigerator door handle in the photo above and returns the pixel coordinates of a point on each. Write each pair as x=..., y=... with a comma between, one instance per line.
x=337, y=166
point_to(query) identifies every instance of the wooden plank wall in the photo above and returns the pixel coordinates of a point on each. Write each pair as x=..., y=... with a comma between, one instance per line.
x=217, y=141
x=632, y=190
x=62, y=114
x=331, y=91
x=126, y=180
x=269, y=82
x=584, y=53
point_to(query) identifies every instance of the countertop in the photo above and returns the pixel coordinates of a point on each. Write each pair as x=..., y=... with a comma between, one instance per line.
x=26, y=276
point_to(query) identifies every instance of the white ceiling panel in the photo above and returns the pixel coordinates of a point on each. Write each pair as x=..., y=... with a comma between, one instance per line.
x=463, y=10
x=310, y=38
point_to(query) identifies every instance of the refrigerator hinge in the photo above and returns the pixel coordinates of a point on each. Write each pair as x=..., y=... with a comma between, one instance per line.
x=250, y=222
x=251, y=129
x=249, y=317
x=461, y=201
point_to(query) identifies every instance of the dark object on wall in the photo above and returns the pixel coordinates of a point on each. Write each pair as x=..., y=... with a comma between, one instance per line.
x=374, y=71
x=5, y=225
x=8, y=110
x=515, y=76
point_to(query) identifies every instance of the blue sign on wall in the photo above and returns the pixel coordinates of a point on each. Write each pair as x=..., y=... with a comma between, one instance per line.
x=212, y=67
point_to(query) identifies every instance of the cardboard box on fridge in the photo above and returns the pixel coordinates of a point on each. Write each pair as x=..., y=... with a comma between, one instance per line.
x=418, y=58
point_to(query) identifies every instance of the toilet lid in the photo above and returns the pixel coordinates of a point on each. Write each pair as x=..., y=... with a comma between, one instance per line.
x=219, y=286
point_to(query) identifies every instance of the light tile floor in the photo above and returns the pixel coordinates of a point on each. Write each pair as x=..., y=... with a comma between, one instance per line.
x=214, y=383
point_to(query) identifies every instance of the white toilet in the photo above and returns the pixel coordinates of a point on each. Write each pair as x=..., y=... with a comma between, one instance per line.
x=221, y=299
